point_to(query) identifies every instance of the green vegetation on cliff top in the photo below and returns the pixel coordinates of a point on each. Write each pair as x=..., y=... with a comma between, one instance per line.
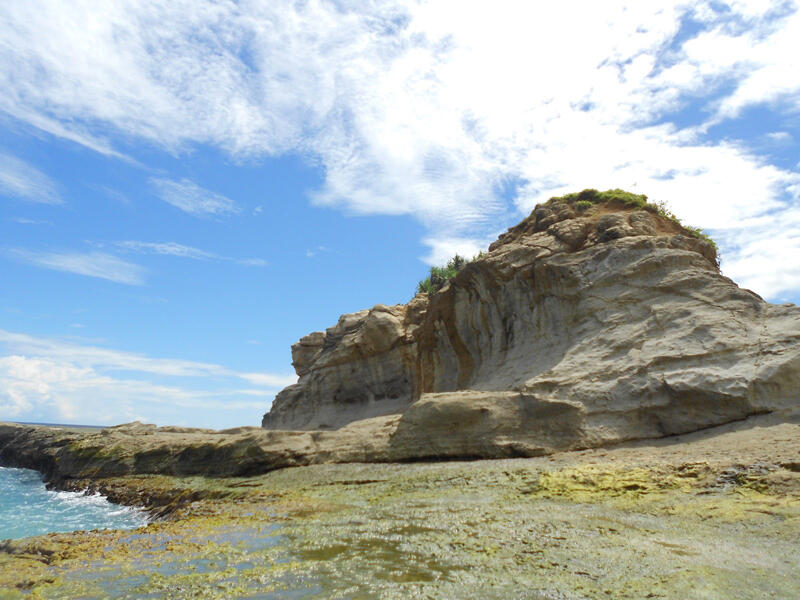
x=438, y=276
x=581, y=201
x=588, y=198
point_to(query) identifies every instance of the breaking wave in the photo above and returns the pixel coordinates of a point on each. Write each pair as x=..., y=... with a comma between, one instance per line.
x=27, y=508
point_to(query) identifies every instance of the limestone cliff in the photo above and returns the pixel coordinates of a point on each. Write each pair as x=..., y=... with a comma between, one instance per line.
x=580, y=327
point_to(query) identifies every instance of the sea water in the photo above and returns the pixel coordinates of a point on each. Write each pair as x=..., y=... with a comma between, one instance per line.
x=27, y=508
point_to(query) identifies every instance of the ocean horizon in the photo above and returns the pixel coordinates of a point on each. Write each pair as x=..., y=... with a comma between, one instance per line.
x=80, y=425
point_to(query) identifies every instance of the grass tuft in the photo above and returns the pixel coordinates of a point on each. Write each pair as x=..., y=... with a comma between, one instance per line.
x=581, y=202
x=439, y=276
x=584, y=200
x=593, y=196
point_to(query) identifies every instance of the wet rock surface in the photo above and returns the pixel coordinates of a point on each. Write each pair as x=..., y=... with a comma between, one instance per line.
x=642, y=408
x=713, y=514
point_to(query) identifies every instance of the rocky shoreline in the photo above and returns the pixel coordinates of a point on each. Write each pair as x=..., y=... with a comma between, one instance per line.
x=718, y=509
x=597, y=320
x=641, y=412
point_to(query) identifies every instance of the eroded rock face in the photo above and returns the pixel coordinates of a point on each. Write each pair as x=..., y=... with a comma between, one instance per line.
x=575, y=330
x=362, y=367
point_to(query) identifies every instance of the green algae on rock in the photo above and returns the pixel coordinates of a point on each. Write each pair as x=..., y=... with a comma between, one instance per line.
x=584, y=327
x=718, y=509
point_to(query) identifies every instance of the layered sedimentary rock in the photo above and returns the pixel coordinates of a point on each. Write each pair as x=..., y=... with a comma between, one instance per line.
x=362, y=367
x=576, y=329
x=62, y=454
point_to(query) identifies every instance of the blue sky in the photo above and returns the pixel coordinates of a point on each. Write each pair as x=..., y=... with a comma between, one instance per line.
x=186, y=188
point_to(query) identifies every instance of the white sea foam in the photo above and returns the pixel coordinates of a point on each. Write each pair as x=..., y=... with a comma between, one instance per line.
x=27, y=508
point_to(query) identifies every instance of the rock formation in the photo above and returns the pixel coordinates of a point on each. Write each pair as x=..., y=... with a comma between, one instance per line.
x=581, y=326
x=63, y=453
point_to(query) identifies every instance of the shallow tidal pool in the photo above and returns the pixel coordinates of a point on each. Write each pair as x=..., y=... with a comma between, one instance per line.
x=491, y=529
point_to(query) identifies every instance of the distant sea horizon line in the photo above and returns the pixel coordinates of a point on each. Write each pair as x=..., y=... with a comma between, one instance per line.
x=59, y=424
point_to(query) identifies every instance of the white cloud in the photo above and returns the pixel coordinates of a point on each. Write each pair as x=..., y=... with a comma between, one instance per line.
x=312, y=252
x=765, y=259
x=443, y=249
x=268, y=380
x=111, y=193
x=116, y=360
x=166, y=248
x=780, y=136
x=91, y=264
x=27, y=221
x=20, y=180
x=762, y=58
x=61, y=392
x=175, y=249
x=191, y=198
x=426, y=109
x=251, y=262
x=52, y=126
x=47, y=378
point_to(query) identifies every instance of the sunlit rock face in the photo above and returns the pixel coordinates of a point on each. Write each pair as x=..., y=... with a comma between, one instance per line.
x=364, y=366
x=576, y=329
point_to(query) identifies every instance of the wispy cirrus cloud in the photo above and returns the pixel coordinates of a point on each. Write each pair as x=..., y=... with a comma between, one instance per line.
x=460, y=114
x=312, y=252
x=91, y=264
x=51, y=379
x=250, y=262
x=27, y=221
x=117, y=360
x=23, y=181
x=166, y=249
x=182, y=251
x=65, y=130
x=193, y=199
